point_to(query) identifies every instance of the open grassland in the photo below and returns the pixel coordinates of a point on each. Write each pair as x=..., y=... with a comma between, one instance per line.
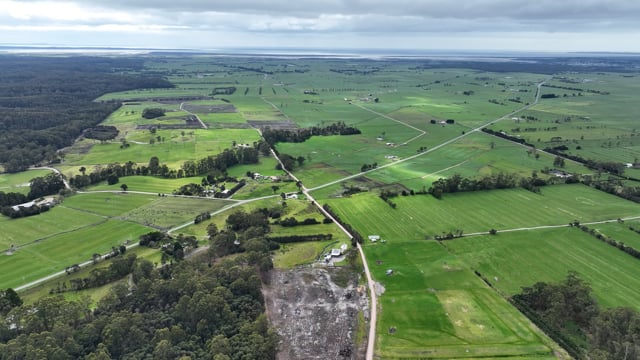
x=621, y=232
x=523, y=258
x=108, y=204
x=421, y=216
x=45, y=257
x=434, y=307
x=155, y=94
x=166, y=212
x=19, y=182
x=176, y=147
x=58, y=220
x=150, y=184
x=594, y=122
x=471, y=156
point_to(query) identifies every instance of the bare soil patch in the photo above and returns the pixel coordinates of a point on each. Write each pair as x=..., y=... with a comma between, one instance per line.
x=315, y=318
x=273, y=124
x=210, y=109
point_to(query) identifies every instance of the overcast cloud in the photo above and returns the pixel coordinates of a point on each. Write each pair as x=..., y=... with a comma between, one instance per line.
x=552, y=25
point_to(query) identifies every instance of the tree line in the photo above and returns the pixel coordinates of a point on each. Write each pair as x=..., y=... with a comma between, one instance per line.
x=457, y=183
x=213, y=166
x=568, y=312
x=274, y=136
x=610, y=241
x=47, y=102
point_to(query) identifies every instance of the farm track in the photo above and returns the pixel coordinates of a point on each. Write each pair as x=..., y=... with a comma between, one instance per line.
x=422, y=132
x=202, y=124
x=441, y=145
x=541, y=227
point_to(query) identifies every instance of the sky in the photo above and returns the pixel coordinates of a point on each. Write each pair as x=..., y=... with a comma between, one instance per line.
x=513, y=25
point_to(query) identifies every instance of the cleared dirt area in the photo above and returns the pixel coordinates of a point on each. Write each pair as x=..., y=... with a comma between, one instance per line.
x=315, y=317
x=209, y=109
x=273, y=124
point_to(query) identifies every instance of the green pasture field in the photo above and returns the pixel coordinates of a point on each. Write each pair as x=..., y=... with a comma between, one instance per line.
x=266, y=167
x=108, y=204
x=254, y=189
x=421, y=216
x=95, y=294
x=470, y=156
x=175, y=150
x=155, y=93
x=522, y=258
x=51, y=255
x=591, y=125
x=58, y=220
x=435, y=307
x=166, y=212
x=170, y=152
x=150, y=184
x=131, y=113
x=620, y=232
x=19, y=182
x=294, y=254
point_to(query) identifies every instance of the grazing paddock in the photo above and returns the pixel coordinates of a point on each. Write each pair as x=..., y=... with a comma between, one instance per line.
x=19, y=182
x=523, y=258
x=421, y=216
x=59, y=251
x=58, y=220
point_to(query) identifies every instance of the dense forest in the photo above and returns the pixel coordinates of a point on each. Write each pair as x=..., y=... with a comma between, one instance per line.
x=568, y=312
x=46, y=102
x=196, y=309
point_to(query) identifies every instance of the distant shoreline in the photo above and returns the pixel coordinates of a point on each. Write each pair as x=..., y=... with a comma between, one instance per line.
x=477, y=55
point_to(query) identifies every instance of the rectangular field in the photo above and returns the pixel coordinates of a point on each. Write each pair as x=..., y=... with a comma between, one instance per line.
x=58, y=220
x=434, y=307
x=513, y=260
x=421, y=216
x=51, y=255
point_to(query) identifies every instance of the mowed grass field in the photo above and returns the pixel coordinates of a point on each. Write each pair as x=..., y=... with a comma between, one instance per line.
x=421, y=216
x=522, y=258
x=146, y=184
x=166, y=212
x=53, y=254
x=58, y=220
x=19, y=182
x=434, y=307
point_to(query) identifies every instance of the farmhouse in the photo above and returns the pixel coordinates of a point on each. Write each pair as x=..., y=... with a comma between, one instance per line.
x=559, y=173
x=374, y=238
x=49, y=202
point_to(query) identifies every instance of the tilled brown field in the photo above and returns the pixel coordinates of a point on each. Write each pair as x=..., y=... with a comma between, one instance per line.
x=315, y=318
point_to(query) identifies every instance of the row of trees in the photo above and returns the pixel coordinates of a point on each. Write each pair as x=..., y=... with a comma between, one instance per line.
x=457, y=183
x=274, y=136
x=357, y=238
x=214, y=167
x=613, y=242
x=568, y=312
